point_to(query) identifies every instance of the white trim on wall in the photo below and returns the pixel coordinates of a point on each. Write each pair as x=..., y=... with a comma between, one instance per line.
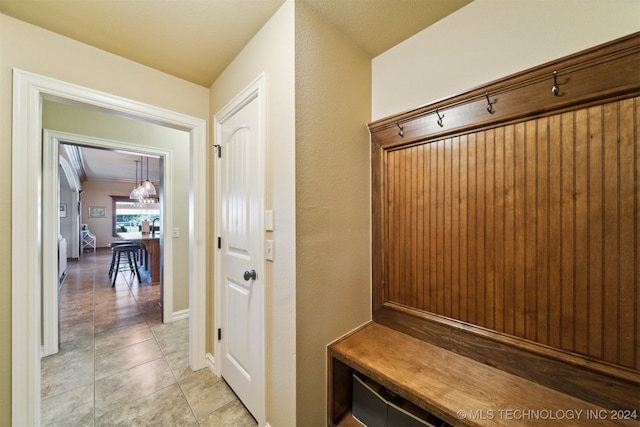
x=211, y=363
x=181, y=314
x=50, y=231
x=29, y=90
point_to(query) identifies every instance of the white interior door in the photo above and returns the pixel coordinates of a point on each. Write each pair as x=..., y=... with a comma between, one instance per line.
x=240, y=137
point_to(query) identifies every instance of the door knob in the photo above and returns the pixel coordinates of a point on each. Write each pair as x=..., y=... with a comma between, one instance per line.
x=250, y=275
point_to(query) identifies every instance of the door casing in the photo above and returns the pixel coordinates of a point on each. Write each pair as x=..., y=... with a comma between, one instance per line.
x=257, y=88
x=29, y=90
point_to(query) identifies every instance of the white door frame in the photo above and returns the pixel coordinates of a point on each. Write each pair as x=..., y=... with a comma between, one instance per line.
x=257, y=88
x=29, y=90
x=50, y=224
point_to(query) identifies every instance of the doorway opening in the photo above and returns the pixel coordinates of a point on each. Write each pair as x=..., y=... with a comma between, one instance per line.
x=93, y=172
x=107, y=177
x=28, y=216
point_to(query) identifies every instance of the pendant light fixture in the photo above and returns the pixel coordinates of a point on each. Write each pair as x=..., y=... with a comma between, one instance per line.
x=148, y=185
x=142, y=192
x=135, y=193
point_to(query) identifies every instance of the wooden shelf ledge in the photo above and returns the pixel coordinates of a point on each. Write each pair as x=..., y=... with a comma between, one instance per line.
x=457, y=389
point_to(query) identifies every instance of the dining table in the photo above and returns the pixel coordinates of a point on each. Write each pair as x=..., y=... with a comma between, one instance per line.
x=150, y=263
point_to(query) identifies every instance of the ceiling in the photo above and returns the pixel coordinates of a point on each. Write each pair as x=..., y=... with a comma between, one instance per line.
x=102, y=164
x=196, y=40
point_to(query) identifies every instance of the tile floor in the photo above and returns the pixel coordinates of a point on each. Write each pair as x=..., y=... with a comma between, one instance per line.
x=119, y=365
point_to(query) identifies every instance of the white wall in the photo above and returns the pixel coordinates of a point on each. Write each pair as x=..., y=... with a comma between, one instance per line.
x=490, y=39
x=98, y=193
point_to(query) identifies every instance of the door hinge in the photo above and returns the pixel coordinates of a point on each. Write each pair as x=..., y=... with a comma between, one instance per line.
x=219, y=334
x=219, y=242
x=219, y=148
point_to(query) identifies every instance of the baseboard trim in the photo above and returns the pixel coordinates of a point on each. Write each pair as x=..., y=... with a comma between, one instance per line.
x=210, y=362
x=179, y=315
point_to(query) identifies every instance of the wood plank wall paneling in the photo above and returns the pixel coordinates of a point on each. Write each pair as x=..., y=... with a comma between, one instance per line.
x=530, y=229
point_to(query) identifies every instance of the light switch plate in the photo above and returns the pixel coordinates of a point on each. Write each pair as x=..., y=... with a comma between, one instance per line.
x=268, y=250
x=176, y=232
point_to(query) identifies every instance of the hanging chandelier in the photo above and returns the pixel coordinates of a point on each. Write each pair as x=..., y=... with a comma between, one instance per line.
x=145, y=192
x=135, y=193
x=148, y=185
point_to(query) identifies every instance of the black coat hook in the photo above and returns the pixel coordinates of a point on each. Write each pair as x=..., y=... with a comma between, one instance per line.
x=401, y=133
x=489, y=105
x=555, y=90
x=440, y=117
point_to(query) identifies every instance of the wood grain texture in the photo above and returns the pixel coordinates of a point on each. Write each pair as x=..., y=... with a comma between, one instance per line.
x=555, y=287
x=443, y=382
x=506, y=249
x=525, y=222
x=605, y=385
x=341, y=395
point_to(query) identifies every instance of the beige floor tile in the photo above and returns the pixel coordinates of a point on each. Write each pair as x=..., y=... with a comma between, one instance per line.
x=233, y=414
x=166, y=407
x=76, y=314
x=205, y=392
x=175, y=347
x=127, y=357
x=179, y=363
x=132, y=384
x=69, y=342
x=177, y=328
x=117, y=338
x=106, y=304
x=79, y=331
x=115, y=322
x=116, y=335
x=170, y=343
x=145, y=290
x=121, y=307
x=66, y=371
x=103, y=289
x=153, y=315
x=71, y=408
x=149, y=305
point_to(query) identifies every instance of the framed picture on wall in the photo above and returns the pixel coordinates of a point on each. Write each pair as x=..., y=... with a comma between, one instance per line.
x=63, y=210
x=97, y=212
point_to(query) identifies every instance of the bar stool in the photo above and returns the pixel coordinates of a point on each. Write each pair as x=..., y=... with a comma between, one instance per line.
x=130, y=250
x=113, y=254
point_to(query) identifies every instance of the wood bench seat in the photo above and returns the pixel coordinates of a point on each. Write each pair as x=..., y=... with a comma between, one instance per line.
x=455, y=388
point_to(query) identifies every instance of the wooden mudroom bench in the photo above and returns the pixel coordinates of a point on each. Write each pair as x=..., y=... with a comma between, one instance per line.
x=505, y=261
x=431, y=373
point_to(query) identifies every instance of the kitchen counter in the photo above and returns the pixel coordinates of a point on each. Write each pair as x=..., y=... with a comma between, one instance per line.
x=152, y=260
x=138, y=236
